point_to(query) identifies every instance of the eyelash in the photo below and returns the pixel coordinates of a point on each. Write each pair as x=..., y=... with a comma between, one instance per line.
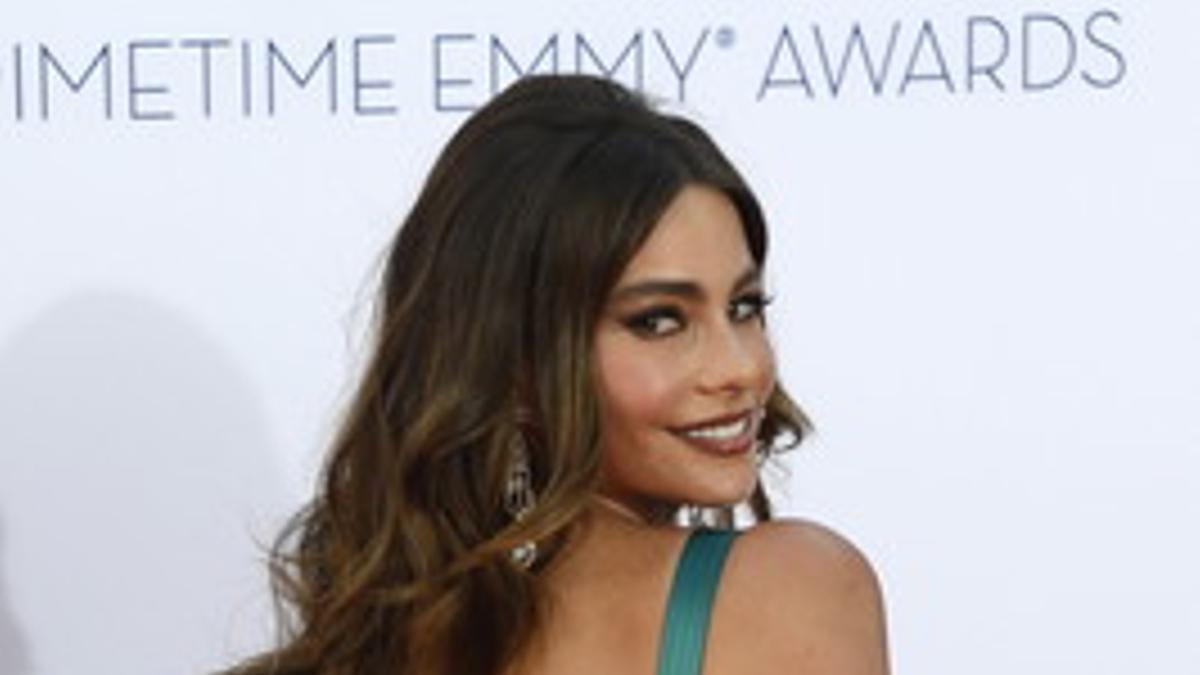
x=758, y=302
x=644, y=323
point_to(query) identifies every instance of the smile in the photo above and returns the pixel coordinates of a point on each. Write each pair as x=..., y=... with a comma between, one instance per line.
x=723, y=432
x=725, y=437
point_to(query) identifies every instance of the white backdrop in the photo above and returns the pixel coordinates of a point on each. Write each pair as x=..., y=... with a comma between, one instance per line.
x=984, y=259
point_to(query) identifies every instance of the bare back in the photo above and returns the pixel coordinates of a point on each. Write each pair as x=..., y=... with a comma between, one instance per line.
x=610, y=591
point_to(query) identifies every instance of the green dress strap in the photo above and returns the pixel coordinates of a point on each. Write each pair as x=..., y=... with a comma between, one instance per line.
x=689, y=606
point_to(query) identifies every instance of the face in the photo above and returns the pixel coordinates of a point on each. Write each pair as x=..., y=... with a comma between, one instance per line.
x=683, y=364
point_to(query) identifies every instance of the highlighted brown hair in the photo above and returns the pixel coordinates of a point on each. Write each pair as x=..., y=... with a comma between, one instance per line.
x=490, y=298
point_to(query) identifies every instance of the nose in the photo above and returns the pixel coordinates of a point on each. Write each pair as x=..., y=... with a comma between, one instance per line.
x=736, y=359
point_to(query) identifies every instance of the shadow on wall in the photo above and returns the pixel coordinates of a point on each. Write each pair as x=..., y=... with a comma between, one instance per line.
x=14, y=655
x=136, y=473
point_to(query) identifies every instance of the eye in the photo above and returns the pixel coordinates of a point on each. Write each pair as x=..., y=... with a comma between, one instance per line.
x=752, y=305
x=656, y=322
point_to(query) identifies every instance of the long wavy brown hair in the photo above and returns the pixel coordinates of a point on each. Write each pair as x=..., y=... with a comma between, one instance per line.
x=491, y=293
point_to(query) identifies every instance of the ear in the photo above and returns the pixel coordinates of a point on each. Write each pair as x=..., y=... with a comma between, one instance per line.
x=525, y=402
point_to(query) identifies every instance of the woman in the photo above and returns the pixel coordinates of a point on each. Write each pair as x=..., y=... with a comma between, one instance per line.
x=571, y=351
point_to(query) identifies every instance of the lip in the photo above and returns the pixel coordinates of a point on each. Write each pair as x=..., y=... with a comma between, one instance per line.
x=737, y=445
x=716, y=421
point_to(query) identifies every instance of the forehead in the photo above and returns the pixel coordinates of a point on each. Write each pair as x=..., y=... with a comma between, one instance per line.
x=699, y=236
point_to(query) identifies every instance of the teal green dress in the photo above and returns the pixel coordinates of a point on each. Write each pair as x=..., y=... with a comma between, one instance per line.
x=689, y=607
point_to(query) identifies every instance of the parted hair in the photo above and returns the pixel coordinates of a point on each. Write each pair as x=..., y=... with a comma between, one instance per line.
x=484, y=327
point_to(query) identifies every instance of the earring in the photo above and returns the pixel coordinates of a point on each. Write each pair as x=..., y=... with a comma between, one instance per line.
x=519, y=498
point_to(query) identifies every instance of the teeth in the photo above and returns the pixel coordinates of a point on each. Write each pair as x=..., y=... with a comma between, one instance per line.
x=723, y=432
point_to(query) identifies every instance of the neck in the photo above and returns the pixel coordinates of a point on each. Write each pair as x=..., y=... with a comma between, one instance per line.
x=619, y=509
x=631, y=512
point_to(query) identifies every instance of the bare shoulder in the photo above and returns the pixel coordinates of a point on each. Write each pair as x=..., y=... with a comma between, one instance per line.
x=794, y=552
x=802, y=598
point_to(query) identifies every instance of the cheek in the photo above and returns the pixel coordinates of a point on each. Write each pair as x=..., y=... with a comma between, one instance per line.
x=637, y=387
x=767, y=360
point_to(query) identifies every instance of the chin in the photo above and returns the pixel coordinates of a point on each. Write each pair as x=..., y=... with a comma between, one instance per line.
x=725, y=493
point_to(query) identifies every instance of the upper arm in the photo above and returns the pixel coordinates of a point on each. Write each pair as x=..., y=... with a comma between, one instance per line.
x=813, y=598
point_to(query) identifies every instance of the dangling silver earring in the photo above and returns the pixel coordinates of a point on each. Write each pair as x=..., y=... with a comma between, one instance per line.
x=519, y=498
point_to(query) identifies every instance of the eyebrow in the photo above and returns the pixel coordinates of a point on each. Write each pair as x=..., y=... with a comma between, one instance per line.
x=687, y=290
